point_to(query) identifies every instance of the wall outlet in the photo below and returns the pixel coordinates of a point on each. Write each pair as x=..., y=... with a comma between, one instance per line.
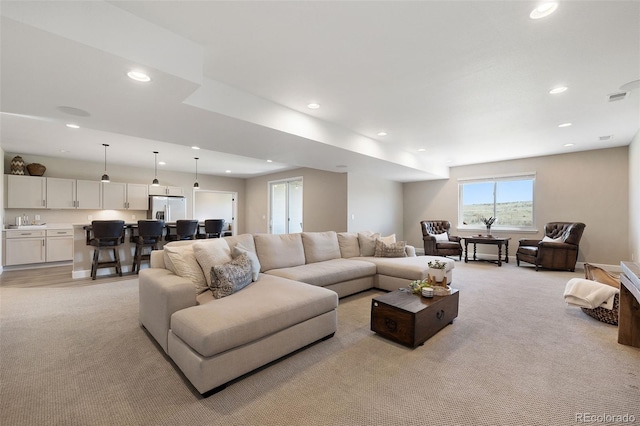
x=37, y=217
x=133, y=217
x=90, y=217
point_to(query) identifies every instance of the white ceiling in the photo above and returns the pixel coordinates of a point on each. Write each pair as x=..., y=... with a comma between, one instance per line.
x=466, y=81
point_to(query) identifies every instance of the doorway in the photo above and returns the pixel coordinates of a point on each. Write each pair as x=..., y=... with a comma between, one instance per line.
x=215, y=205
x=285, y=206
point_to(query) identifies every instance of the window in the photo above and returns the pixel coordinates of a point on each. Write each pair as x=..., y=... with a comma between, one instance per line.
x=508, y=199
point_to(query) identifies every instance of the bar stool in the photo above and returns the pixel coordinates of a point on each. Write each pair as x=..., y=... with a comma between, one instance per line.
x=149, y=235
x=107, y=234
x=185, y=230
x=213, y=228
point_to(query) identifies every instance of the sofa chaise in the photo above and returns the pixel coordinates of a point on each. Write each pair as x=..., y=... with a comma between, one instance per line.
x=291, y=303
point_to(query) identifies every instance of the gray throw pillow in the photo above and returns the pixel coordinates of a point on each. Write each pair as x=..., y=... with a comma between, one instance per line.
x=230, y=277
x=397, y=249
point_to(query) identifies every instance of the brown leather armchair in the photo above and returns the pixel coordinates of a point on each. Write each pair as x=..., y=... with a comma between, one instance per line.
x=560, y=255
x=435, y=247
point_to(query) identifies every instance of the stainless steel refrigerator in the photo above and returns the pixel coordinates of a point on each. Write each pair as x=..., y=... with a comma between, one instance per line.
x=168, y=209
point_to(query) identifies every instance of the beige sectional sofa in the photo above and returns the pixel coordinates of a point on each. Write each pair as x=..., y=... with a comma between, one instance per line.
x=291, y=303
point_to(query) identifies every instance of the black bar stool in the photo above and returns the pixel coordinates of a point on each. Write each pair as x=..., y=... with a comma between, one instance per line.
x=149, y=235
x=213, y=228
x=185, y=230
x=107, y=234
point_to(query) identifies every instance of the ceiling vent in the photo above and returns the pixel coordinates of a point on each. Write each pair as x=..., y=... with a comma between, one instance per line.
x=617, y=96
x=605, y=138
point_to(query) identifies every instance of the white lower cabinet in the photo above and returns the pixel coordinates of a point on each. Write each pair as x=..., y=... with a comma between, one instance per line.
x=25, y=247
x=59, y=245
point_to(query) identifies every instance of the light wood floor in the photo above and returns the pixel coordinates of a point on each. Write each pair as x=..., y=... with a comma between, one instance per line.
x=57, y=276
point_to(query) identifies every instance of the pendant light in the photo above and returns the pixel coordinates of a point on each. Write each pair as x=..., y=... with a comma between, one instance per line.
x=196, y=184
x=105, y=176
x=155, y=179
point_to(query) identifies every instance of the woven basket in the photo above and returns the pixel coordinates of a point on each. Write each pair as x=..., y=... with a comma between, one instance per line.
x=609, y=316
x=36, y=169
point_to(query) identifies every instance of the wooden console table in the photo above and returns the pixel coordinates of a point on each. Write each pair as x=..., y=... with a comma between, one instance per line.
x=487, y=240
x=629, y=313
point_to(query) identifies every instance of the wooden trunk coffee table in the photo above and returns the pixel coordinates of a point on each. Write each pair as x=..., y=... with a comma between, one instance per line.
x=411, y=319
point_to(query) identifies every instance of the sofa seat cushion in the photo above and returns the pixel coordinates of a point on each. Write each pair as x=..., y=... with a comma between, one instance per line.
x=264, y=307
x=327, y=272
x=410, y=268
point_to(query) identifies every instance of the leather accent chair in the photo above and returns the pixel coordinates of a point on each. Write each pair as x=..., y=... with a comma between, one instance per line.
x=434, y=247
x=107, y=235
x=559, y=255
x=149, y=235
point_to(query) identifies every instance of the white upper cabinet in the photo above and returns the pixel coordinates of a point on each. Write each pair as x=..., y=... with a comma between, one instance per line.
x=120, y=196
x=137, y=196
x=61, y=193
x=26, y=192
x=88, y=194
x=166, y=190
x=114, y=196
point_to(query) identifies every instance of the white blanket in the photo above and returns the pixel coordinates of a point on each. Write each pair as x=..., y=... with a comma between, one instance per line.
x=589, y=294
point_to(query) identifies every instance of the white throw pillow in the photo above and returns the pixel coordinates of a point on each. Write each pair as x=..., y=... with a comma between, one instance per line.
x=238, y=250
x=441, y=237
x=184, y=264
x=211, y=252
x=547, y=239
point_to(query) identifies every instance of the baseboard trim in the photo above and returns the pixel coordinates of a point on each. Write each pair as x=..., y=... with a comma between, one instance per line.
x=86, y=273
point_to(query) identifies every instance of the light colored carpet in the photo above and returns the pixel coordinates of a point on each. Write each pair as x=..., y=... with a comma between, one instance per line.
x=516, y=355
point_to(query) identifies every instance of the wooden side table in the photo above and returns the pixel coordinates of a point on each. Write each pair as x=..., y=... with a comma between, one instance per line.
x=490, y=241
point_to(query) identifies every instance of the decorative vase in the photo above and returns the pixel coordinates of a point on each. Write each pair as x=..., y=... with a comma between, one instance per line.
x=489, y=230
x=36, y=169
x=436, y=274
x=17, y=165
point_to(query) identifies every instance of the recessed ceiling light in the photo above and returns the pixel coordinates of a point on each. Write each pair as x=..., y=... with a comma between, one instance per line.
x=73, y=126
x=195, y=147
x=382, y=133
x=139, y=76
x=449, y=161
x=269, y=161
x=162, y=163
x=558, y=89
x=543, y=10
x=564, y=125
x=63, y=151
x=422, y=149
x=227, y=171
x=568, y=144
x=341, y=166
x=313, y=106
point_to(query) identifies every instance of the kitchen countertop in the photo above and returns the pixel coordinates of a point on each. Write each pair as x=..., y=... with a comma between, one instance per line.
x=36, y=227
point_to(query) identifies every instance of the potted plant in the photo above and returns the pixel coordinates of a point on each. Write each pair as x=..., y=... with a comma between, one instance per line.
x=436, y=272
x=488, y=222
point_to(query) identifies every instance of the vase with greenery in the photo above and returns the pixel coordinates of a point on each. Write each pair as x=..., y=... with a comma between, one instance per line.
x=488, y=222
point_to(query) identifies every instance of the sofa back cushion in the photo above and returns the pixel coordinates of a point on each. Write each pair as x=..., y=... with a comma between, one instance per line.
x=279, y=251
x=246, y=240
x=348, y=243
x=320, y=246
x=367, y=241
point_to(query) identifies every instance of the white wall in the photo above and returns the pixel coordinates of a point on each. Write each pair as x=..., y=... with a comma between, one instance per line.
x=375, y=205
x=589, y=186
x=634, y=198
x=1, y=200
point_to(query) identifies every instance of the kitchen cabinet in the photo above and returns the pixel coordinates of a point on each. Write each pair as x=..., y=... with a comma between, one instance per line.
x=61, y=193
x=120, y=196
x=88, y=194
x=166, y=190
x=26, y=192
x=59, y=245
x=25, y=247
